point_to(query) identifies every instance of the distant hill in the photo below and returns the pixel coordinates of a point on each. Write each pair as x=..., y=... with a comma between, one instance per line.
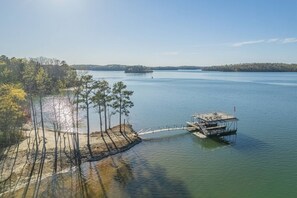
x=117, y=67
x=175, y=67
x=138, y=69
x=113, y=67
x=254, y=67
x=244, y=67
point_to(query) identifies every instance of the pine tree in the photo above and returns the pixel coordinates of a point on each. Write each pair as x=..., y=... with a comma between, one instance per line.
x=121, y=100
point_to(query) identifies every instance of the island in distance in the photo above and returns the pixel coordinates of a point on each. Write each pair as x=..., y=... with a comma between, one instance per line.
x=138, y=69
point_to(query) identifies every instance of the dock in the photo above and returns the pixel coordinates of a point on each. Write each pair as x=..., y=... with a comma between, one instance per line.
x=213, y=124
x=205, y=125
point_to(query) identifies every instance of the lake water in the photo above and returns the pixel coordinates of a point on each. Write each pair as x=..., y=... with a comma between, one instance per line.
x=260, y=163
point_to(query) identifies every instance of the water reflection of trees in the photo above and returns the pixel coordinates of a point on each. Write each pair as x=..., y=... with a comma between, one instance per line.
x=152, y=181
x=111, y=177
x=133, y=177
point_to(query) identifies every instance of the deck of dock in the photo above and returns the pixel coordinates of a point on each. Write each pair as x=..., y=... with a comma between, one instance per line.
x=213, y=124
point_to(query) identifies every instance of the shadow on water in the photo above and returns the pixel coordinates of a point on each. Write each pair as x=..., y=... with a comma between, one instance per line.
x=247, y=143
x=132, y=176
x=215, y=142
x=240, y=142
x=142, y=179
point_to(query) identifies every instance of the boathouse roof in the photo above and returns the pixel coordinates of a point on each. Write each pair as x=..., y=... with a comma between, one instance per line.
x=215, y=117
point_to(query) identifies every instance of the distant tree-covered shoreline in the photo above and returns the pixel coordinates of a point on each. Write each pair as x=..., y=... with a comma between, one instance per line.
x=254, y=67
x=138, y=69
x=116, y=67
x=244, y=67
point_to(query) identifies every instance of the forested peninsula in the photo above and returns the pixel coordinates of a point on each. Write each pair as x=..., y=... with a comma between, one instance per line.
x=42, y=130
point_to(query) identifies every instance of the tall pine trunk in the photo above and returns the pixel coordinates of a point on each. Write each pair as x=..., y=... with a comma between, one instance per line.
x=109, y=118
x=34, y=121
x=88, y=129
x=42, y=122
x=105, y=118
x=120, y=115
x=100, y=119
x=77, y=135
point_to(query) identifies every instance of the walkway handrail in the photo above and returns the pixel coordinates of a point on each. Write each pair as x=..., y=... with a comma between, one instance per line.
x=174, y=128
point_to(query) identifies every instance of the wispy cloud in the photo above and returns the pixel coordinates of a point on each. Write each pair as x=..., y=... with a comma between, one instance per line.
x=290, y=40
x=272, y=40
x=248, y=43
x=172, y=53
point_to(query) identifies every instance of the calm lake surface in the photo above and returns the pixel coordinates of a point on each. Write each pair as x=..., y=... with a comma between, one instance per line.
x=262, y=162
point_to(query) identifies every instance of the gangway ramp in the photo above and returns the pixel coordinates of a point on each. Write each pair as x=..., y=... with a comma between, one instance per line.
x=151, y=131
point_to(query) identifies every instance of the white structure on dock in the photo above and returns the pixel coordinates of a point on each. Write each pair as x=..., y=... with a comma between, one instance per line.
x=213, y=124
x=203, y=125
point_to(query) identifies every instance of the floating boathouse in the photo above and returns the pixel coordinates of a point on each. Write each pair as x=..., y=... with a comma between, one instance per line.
x=214, y=124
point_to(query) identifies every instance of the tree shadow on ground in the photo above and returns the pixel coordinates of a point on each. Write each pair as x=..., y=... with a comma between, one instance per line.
x=111, y=141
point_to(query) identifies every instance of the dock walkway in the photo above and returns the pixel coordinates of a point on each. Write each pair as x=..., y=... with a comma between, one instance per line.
x=149, y=131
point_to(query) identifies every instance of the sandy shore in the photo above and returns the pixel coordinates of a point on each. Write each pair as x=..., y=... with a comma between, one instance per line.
x=23, y=164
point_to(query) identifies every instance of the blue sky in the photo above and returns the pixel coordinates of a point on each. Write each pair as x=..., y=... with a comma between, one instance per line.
x=151, y=32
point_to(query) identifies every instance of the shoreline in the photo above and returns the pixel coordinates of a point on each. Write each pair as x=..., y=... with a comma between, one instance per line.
x=24, y=166
x=114, y=152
